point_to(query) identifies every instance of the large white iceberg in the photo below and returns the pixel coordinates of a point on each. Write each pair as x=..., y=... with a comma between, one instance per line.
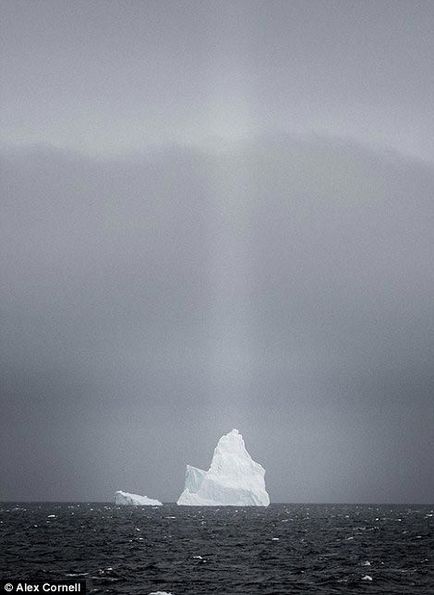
x=126, y=499
x=234, y=479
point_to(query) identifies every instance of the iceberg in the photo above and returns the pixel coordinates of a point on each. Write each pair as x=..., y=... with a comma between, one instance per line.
x=234, y=478
x=126, y=499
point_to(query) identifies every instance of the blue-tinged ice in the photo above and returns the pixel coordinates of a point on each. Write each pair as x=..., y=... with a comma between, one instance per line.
x=234, y=478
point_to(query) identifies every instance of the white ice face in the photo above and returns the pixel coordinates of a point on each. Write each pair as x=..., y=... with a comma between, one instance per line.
x=234, y=479
x=126, y=499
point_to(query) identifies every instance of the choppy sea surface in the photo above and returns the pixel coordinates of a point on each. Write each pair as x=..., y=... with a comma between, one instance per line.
x=286, y=548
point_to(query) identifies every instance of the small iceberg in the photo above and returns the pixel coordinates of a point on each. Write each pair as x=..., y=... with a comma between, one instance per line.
x=234, y=478
x=126, y=499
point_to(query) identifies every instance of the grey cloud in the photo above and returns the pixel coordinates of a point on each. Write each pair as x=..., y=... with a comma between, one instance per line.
x=111, y=77
x=149, y=303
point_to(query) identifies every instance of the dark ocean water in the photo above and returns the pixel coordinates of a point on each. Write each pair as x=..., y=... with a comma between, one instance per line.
x=290, y=548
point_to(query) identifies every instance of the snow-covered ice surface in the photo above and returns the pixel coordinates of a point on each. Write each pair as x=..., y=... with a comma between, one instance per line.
x=126, y=499
x=234, y=478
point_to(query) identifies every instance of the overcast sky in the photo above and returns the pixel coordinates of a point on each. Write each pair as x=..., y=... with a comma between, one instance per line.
x=217, y=215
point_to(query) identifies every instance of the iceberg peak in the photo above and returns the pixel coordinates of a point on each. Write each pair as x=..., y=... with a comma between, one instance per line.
x=233, y=479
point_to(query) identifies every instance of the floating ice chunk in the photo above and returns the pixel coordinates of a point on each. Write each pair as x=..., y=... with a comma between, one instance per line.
x=126, y=499
x=234, y=478
x=367, y=578
x=367, y=563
